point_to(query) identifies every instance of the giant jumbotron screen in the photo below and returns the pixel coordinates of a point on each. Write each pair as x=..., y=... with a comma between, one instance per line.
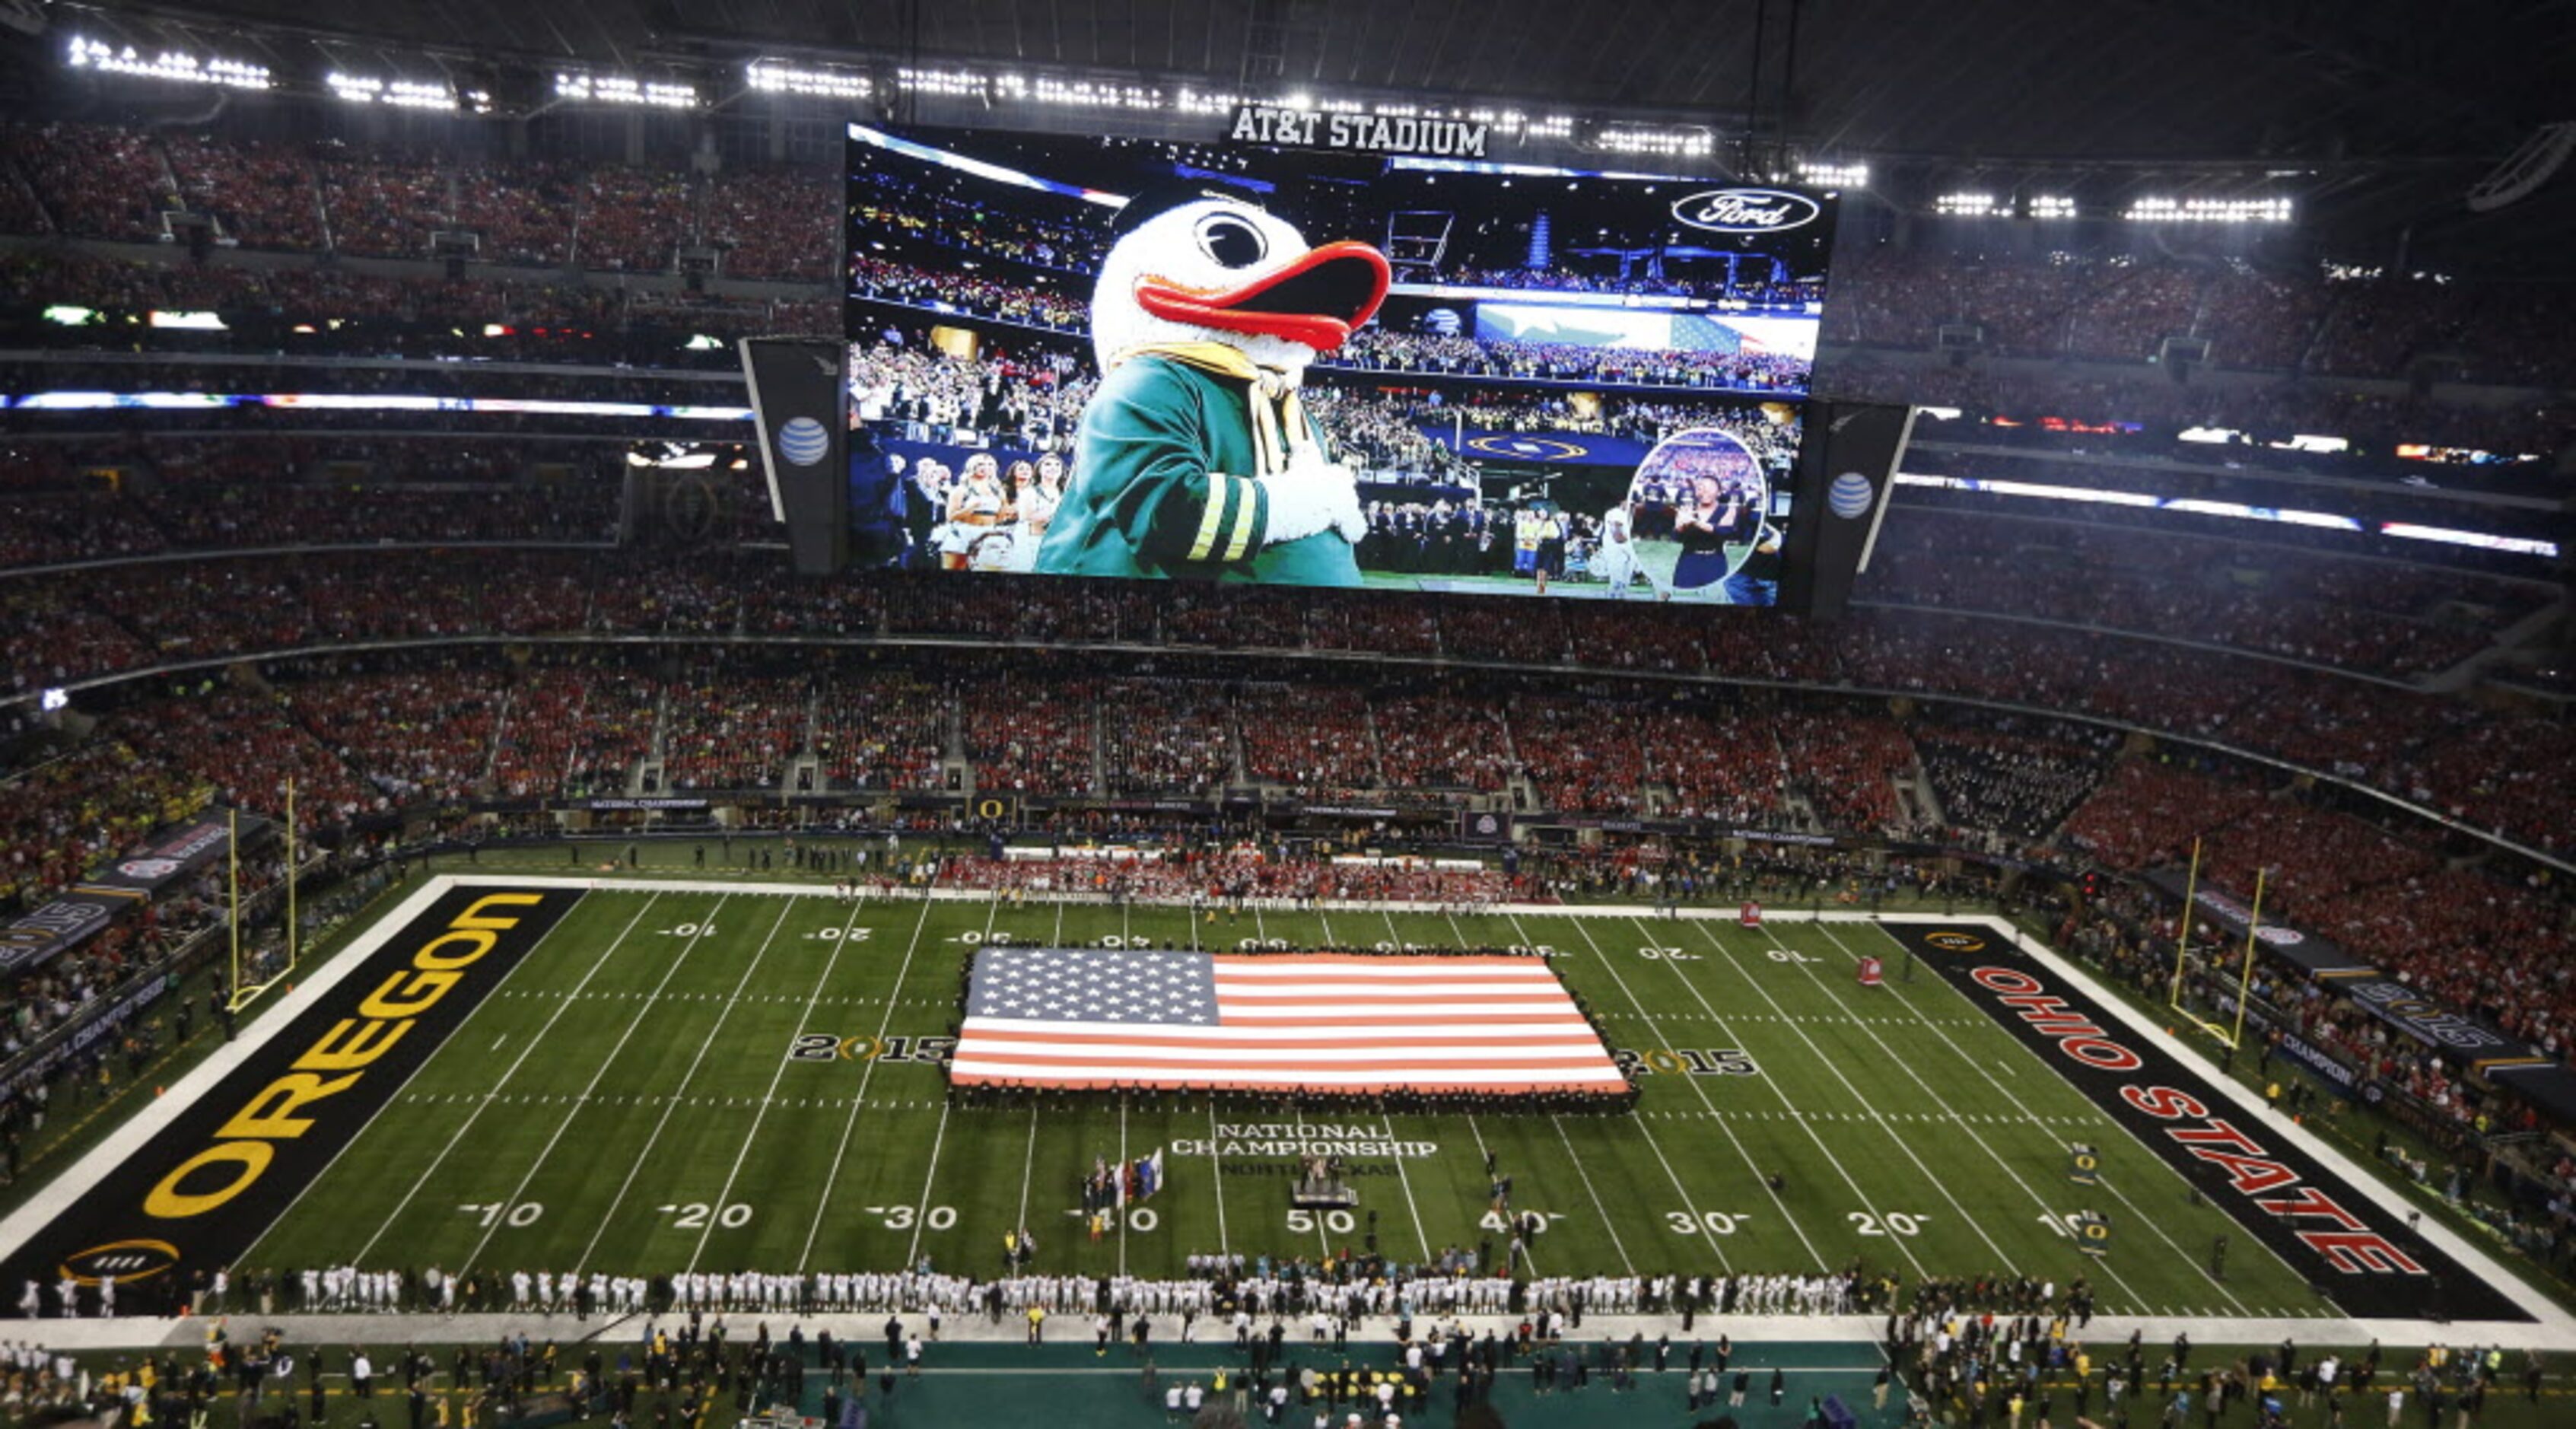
x=1159, y=360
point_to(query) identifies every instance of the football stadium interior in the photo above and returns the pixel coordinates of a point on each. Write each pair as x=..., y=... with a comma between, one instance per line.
x=1724, y=712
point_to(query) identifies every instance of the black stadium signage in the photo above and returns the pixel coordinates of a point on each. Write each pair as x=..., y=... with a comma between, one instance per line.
x=1746, y=210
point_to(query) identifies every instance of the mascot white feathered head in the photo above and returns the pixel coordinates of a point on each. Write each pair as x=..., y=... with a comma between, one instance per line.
x=1207, y=263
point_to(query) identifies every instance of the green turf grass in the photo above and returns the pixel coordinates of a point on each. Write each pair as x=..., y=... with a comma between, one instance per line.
x=625, y=1102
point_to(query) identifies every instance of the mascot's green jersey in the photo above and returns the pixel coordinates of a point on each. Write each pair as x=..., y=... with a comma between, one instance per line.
x=1165, y=482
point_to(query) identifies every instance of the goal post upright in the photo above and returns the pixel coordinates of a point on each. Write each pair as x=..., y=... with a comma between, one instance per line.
x=2245, y=974
x=291, y=941
x=232, y=881
x=2182, y=939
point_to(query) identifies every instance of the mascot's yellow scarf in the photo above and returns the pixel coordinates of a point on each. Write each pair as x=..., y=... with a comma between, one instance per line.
x=1279, y=429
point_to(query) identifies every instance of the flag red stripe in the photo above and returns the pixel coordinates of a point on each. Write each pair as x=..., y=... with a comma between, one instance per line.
x=1227, y=997
x=1095, y=1078
x=1580, y=1036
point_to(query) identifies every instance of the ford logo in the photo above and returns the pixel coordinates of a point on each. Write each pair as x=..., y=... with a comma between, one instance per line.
x=1746, y=210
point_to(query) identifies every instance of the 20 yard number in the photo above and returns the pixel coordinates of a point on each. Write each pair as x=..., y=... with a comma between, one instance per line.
x=696, y=1214
x=1896, y=1223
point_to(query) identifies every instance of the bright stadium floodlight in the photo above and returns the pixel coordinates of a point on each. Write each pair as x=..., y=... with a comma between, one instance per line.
x=400, y=93
x=1966, y=205
x=957, y=83
x=2051, y=206
x=1682, y=143
x=774, y=77
x=627, y=90
x=2163, y=209
x=1834, y=176
x=168, y=65
x=1084, y=93
x=1193, y=101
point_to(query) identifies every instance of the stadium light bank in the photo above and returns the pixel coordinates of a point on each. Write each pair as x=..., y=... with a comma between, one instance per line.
x=172, y=66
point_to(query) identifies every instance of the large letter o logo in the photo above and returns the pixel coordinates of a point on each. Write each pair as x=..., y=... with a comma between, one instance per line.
x=171, y=1203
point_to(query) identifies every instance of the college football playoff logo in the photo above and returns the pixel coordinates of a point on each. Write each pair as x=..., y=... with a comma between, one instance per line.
x=127, y=1260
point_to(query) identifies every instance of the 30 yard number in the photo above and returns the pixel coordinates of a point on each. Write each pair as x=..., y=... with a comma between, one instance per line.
x=901, y=1218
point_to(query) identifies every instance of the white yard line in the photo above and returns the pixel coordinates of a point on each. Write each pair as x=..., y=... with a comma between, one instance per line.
x=715, y=1214
x=894, y=999
x=1478, y=1133
x=1216, y=1178
x=480, y=1105
x=511, y=1201
x=1028, y=1167
x=1118, y=1199
x=1981, y=1067
x=938, y=1138
x=1029, y=1163
x=1402, y=1177
x=1603, y=1211
x=1690, y=1203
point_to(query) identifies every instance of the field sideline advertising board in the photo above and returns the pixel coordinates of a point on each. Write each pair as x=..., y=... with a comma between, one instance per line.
x=117, y=888
x=1329, y=350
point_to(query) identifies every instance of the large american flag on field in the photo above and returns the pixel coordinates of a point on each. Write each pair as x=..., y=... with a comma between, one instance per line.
x=1329, y=1021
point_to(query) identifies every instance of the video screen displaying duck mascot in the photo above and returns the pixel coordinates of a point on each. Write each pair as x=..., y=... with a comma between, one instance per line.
x=1225, y=362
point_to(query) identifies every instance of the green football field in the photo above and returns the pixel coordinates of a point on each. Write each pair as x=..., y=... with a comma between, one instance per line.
x=627, y=1101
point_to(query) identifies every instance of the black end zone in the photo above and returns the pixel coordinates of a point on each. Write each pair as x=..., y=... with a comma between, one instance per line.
x=210, y=1185
x=2357, y=1253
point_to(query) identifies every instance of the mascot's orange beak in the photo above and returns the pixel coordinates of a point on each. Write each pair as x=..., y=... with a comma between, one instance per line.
x=1317, y=300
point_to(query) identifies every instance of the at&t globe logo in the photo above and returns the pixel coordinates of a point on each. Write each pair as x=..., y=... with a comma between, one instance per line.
x=803, y=441
x=1849, y=495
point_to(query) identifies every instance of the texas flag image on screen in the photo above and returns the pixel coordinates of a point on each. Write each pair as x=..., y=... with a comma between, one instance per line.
x=1343, y=1022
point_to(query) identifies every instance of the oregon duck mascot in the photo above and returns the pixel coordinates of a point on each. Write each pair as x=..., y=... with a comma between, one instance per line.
x=1195, y=456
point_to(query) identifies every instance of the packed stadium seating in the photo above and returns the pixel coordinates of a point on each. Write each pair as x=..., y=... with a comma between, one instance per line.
x=2248, y=643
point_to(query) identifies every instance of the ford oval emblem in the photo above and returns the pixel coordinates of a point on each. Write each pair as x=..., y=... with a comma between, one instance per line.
x=1746, y=210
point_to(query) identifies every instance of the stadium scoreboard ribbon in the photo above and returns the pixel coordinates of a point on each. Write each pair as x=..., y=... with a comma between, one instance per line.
x=1341, y=1023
